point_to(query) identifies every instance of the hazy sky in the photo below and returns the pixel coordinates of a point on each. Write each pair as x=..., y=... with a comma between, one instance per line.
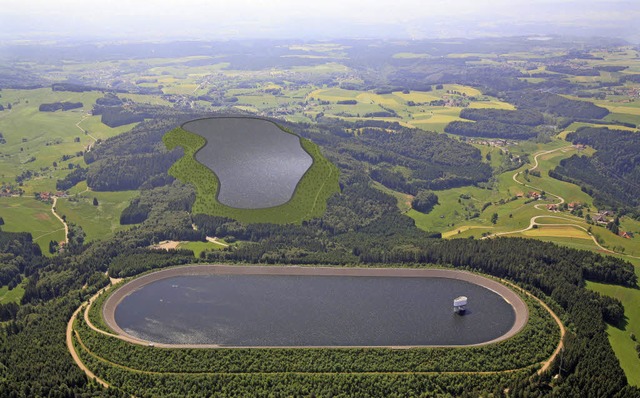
x=207, y=19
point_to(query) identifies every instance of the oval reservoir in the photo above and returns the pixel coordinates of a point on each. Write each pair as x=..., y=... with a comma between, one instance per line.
x=253, y=307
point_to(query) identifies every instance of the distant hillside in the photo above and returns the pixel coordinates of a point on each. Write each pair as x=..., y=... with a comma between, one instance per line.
x=612, y=174
x=555, y=104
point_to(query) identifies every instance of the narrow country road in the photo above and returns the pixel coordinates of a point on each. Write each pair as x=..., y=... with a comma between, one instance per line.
x=533, y=222
x=547, y=364
x=73, y=352
x=90, y=146
x=66, y=227
x=535, y=159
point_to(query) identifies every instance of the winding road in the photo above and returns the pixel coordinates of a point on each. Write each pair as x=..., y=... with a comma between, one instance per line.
x=533, y=223
x=71, y=333
x=72, y=349
x=535, y=159
x=66, y=227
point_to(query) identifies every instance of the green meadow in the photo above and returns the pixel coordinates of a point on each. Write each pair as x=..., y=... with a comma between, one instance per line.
x=98, y=222
x=620, y=337
x=25, y=214
x=200, y=247
x=12, y=296
x=420, y=114
x=36, y=140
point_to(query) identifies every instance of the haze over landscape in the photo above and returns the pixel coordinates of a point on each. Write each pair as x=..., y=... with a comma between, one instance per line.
x=402, y=19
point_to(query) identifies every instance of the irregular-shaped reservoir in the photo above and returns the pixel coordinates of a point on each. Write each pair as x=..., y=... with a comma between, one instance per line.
x=258, y=165
x=299, y=306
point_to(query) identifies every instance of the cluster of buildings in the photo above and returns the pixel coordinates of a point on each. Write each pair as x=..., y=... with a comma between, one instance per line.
x=48, y=196
x=494, y=142
x=7, y=190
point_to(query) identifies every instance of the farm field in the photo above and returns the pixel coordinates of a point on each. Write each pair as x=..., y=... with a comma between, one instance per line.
x=553, y=231
x=620, y=339
x=11, y=296
x=98, y=222
x=453, y=217
x=25, y=214
x=413, y=108
x=199, y=247
x=36, y=140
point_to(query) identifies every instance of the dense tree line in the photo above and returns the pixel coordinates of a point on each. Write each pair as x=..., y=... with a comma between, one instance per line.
x=109, y=99
x=78, y=174
x=612, y=174
x=132, y=159
x=133, y=262
x=8, y=311
x=424, y=201
x=570, y=70
x=134, y=213
x=59, y=106
x=72, y=87
x=525, y=117
x=534, y=344
x=381, y=114
x=611, y=68
x=303, y=385
x=555, y=104
x=17, y=251
x=435, y=161
x=491, y=129
x=118, y=116
x=114, y=115
x=130, y=172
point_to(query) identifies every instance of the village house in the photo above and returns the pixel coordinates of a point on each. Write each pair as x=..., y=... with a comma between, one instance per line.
x=45, y=196
x=533, y=195
x=600, y=218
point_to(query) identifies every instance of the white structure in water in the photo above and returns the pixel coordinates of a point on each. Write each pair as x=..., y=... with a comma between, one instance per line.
x=459, y=304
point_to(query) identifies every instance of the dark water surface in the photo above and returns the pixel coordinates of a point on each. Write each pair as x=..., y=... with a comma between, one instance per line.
x=286, y=310
x=258, y=164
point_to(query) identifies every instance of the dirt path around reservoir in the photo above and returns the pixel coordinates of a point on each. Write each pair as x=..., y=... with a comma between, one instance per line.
x=122, y=292
x=72, y=349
